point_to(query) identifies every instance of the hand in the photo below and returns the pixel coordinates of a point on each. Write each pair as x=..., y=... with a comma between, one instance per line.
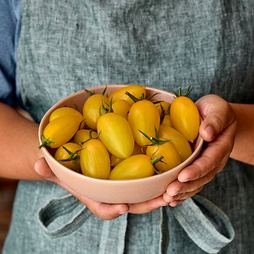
x=102, y=210
x=218, y=129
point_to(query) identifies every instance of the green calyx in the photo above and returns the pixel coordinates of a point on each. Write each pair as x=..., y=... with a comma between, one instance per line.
x=155, y=141
x=156, y=160
x=91, y=93
x=73, y=156
x=45, y=142
x=106, y=110
x=163, y=113
x=189, y=89
x=81, y=124
x=135, y=99
x=90, y=137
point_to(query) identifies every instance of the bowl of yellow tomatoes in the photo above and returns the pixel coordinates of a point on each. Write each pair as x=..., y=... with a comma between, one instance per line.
x=120, y=143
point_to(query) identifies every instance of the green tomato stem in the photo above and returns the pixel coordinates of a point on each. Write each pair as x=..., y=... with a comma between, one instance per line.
x=89, y=92
x=45, y=142
x=189, y=89
x=156, y=160
x=103, y=92
x=155, y=141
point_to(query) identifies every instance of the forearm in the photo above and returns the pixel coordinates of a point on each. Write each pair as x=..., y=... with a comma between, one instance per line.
x=243, y=149
x=18, y=146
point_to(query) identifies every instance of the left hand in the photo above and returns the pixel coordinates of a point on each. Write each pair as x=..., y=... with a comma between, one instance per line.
x=102, y=210
x=218, y=129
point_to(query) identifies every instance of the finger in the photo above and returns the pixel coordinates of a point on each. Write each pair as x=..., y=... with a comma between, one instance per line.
x=102, y=210
x=43, y=169
x=216, y=114
x=106, y=211
x=214, y=155
x=180, y=190
x=147, y=206
x=176, y=202
x=181, y=196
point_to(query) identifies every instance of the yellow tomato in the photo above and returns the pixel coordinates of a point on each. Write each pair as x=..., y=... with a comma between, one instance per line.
x=60, y=130
x=185, y=117
x=114, y=160
x=162, y=106
x=121, y=107
x=116, y=134
x=168, y=151
x=143, y=116
x=91, y=108
x=135, y=90
x=83, y=135
x=167, y=121
x=64, y=111
x=95, y=160
x=137, y=150
x=134, y=167
x=69, y=159
x=180, y=142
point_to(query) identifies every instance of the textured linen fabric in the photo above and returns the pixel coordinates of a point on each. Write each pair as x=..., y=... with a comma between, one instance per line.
x=66, y=46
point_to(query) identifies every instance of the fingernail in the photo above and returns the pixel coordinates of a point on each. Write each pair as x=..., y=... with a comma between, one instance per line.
x=172, y=205
x=123, y=212
x=184, y=181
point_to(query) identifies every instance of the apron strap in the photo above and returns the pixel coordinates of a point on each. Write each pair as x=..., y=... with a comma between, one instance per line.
x=207, y=225
x=59, y=207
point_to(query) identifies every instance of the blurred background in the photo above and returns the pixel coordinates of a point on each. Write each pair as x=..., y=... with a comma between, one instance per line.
x=7, y=194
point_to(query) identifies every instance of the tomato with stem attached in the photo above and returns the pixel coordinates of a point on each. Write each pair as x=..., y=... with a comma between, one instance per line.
x=91, y=108
x=68, y=155
x=60, y=131
x=162, y=106
x=162, y=147
x=120, y=94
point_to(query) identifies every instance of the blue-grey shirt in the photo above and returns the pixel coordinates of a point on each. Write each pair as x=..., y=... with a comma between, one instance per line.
x=10, y=17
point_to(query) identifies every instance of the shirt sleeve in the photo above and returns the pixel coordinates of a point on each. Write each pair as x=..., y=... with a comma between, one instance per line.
x=10, y=19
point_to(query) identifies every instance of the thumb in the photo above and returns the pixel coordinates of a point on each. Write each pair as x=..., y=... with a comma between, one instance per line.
x=217, y=115
x=43, y=169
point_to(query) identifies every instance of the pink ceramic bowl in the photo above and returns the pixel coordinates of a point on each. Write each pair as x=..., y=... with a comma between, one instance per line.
x=114, y=191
